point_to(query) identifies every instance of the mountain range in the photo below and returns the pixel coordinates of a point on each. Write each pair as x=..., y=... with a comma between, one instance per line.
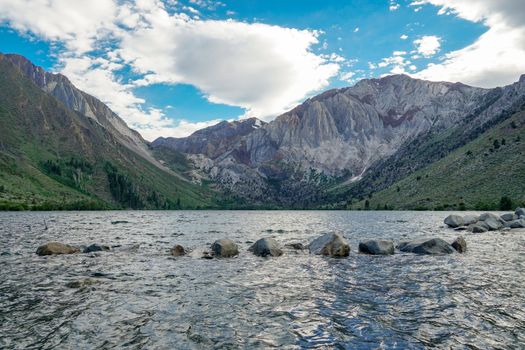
x=395, y=142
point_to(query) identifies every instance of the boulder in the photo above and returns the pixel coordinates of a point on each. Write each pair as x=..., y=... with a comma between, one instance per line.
x=517, y=223
x=520, y=212
x=486, y=216
x=470, y=219
x=296, y=246
x=493, y=224
x=377, y=247
x=55, y=248
x=426, y=246
x=330, y=244
x=460, y=244
x=509, y=217
x=96, y=248
x=477, y=228
x=454, y=220
x=266, y=247
x=178, y=250
x=224, y=248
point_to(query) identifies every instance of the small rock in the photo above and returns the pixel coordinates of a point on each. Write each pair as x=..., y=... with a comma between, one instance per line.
x=119, y=222
x=296, y=246
x=517, y=224
x=178, y=250
x=55, y=248
x=330, y=244
x=454, y=220
x=460, y=244
x=266, y=247
x=224, y=248
x=206, y=255
x=96, y=248
x=462, y=228
x=426, y=246
x=377, y=247
x=520, y=212
x=477, y=228
x=509, y=217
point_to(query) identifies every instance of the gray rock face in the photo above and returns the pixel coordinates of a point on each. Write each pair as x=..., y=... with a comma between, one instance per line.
x=470, y=219
x=56, y=248
x=426, y=246
x=486, y=216
x=96, y=248
x=224, y=248
x=517, y=223
x=509, y=217
x=520, y=212
x=460, y=245
x=454, y=220
x=177, y=250
x=477, y=228
x=330, y=244
x=377, y=247
x=493, y=224
x=266, y=247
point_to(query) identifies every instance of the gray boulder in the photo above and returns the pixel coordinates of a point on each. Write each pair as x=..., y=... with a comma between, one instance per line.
x=426, y=246
x=56, y=248
x=266, y=247
x=377, y=247
x=96, y=248
x=224, y=248
x=460, y=244
x=509, y=217
x=330, y=244
x=478, y=228
x=178, y=250
x=493, y=224
x=470, y=219
x=520, y=212
x=517, y=223
x=454, y=220
x=486, y=216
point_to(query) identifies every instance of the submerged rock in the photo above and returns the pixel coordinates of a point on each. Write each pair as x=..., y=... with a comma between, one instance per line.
x=509, y=217
x=377, y=247
x=266, y=247
x=330, y=244
x=177, y=250
x=224, y=248
x=426, y=246
x=55, y=248
x=460, y=244
x=454, y=220
x=82, y=283
x=477, y=228
x=296, y=246
x=96, y=248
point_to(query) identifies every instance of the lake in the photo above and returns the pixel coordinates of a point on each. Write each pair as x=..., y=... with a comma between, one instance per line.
x=144, y=298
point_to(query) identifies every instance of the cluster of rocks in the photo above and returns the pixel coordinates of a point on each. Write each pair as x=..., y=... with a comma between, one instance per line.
x=56, y=248
x=487, y=221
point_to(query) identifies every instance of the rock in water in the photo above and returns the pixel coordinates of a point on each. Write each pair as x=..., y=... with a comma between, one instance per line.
x=486, y=216
x=266, y=247
x=493, y=224
x=96, y=248
x=454, y=220
x=178, y=250
x=509, y=217
x=477, y=228
x=55, y=248
x=520, y=212
x=460, y=244
x=224, y=248
x=296, y=246
x=82, y=283
x=426, y=246
x=470, y=219
x=330, y=244
x=517, y=223
x=377, y=247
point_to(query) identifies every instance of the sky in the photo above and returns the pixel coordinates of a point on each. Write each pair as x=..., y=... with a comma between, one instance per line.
x=170, y=67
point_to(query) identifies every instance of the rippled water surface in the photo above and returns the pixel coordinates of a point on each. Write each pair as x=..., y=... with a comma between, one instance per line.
x=144, y=298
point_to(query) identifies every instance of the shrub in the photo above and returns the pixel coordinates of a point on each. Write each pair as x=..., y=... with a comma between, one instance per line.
x=505, y=203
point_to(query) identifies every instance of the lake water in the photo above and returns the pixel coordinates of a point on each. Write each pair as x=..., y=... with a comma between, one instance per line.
x=147, y=299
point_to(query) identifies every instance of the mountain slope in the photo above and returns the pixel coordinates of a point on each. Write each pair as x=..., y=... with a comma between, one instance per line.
x=54, y=157
x=474, y=176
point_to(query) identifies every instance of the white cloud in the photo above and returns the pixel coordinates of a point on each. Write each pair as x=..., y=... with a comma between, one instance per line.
x=497, y=57
x=356, y=29
x=393, y=6
x=404, y=37
x=262, y=68
x=428, y=45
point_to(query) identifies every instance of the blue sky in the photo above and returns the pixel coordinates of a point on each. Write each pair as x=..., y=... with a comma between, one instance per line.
x=171, y=67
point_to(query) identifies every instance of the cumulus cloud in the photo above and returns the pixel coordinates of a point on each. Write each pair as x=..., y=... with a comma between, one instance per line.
x=262, y=68
x=428, y=45
x=497, y=57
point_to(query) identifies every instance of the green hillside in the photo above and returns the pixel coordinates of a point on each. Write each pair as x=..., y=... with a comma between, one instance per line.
x=475, y=176
x=54, y=158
